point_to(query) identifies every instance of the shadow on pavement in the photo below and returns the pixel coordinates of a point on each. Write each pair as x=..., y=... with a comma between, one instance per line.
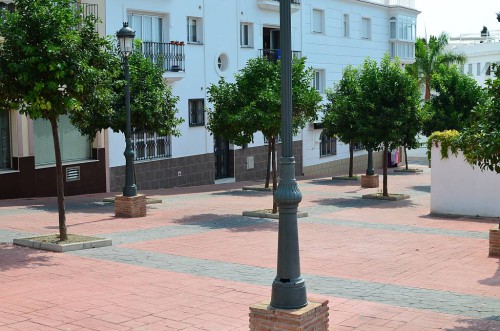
x=14, y=257
x=243, y=193
x=421, y=188
x=462, y=218
x=335, y=182
x=483, y=324
x=235, y=223
x=363, y=203
x=495, y=279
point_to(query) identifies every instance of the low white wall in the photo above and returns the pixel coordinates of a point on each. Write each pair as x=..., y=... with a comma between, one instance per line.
x=458, y=188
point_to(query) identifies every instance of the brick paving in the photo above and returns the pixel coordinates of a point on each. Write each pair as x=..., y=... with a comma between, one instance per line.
x=194, y=263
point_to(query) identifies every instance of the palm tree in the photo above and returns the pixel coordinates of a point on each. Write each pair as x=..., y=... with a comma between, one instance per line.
x=429, y=56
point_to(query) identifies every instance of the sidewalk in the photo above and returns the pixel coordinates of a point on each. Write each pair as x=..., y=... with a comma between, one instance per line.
x=194, y=263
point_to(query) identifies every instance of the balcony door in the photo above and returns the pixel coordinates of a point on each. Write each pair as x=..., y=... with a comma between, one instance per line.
x=271, y=38
x=147, y=27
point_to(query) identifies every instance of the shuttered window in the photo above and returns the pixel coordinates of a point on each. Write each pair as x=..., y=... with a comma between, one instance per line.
x=317, y=20
x=74, y=146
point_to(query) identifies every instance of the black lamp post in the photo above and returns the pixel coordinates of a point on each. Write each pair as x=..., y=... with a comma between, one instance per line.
x=289, y=289
x=125, y=37
x=369, y=170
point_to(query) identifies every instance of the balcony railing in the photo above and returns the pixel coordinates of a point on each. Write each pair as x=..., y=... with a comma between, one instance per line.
x=275, y=54
x=169, y=55
x=89, y=9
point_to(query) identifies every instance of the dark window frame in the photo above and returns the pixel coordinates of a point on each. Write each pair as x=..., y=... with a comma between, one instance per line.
x=327, y=146
x=196, y=109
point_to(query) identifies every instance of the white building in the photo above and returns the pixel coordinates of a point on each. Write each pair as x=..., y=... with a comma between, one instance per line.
x=217, y=43
x=481, y=53
x=202, y=41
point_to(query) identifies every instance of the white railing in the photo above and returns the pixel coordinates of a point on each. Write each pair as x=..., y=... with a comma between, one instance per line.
x=492, y=36
x=398, y=3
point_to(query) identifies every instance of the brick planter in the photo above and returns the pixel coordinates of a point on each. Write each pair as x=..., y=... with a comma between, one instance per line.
x=495, y=241
x=313, y=317
x=130, y=206
x=369, y=181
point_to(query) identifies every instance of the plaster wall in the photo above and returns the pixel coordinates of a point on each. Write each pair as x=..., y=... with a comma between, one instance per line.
x=459, y=189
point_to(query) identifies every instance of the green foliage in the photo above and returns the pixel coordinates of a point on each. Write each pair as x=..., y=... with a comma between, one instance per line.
x=480, y=140
x=341, y=116
x=429, y=56
x=456, y=95
x=448, y=140
x=53, y=62
x=253, y=102
x=390, y=110
x=152, y=104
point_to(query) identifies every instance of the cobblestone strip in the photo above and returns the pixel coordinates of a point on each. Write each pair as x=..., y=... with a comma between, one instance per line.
x=172, y=231
x=402, y=296
x=397, y=228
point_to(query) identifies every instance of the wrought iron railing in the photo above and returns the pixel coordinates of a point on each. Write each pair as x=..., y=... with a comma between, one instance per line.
x=275, y=54
x=170, y=55
x=149, y=145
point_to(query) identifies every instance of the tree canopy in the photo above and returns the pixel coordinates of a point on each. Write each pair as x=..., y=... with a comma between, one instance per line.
x=456, y=95
x=480, y=139
x=253, y=103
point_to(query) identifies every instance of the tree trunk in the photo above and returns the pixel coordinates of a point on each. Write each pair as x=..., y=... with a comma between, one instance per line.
x=63, y=234
x=273, y=142
x=406, y=158
x=386, y=161
x=351, y=159
x=427, y=89
x=268, y=169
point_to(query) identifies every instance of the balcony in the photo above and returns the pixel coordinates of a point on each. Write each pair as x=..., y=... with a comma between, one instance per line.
x=275, y=5
x=275, y=54
x=169, y=55
x=89, y=9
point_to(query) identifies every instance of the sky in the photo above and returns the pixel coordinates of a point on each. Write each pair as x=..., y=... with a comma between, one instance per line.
x=456, y=16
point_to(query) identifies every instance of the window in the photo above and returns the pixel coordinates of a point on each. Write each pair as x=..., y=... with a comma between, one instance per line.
x=4, y=140
x=318, y=81
x=196, y=112
x=469, y=71
x=393, y=28
x=74, y=146
x=328, y=145
x=366, y=28
x=246, y=34
x=345, y=25
x=147, y=27
x=195, y=32
x=488, y=69
x=150, y=145
x=318, y=19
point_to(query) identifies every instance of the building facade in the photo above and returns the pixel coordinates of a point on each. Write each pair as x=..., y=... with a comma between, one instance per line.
x=215, y=43
x=198, y=42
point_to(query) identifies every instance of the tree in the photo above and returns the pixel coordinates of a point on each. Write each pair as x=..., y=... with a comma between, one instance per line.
x=52, y=63
x=253, y=103
x=480, y=140
x=391, y=105
x=428, y=57
x=152, y=107
x=341, y=112
x=456, y=95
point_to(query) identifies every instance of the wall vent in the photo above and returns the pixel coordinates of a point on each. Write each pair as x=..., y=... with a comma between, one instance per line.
x=72, y=174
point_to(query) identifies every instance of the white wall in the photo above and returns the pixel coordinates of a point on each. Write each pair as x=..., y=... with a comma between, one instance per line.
x=459, y=189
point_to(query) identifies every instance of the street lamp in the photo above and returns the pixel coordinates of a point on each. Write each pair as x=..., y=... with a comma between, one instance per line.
x=125, y=37
x=289, y=288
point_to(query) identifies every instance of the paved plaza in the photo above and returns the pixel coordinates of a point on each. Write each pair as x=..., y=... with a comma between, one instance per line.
x=194, y=263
